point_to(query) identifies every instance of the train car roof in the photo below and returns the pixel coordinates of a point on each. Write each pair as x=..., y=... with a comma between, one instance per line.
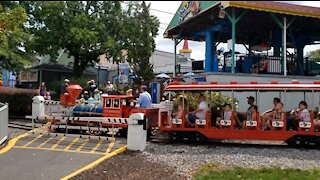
x=117, y=96
x=200, y=86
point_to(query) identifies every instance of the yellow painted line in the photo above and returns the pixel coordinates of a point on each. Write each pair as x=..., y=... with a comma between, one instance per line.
x=97, y=145
x=45, y=142
x=72, y=143
x=57, y=143
x=110, y=146
x=33, y=140
x=12, y=142
x=59, y=150
x=94, y=163
x=82, y=144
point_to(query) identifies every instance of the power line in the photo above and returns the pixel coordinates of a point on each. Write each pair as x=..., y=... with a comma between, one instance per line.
x=162, y=11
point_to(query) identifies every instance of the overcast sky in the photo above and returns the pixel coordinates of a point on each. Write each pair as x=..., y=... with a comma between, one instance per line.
x=198, y=48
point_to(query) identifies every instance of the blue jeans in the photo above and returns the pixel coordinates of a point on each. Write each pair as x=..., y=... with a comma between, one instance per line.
x=292, y=123
x=192, y=118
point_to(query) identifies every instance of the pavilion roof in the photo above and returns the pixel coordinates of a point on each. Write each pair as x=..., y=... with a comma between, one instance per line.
x=195, y=16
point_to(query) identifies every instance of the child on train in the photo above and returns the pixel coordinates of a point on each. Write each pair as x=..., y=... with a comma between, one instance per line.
x=277, y=115
x=226, y=113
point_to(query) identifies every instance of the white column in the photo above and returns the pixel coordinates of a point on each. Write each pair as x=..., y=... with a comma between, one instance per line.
x=284, y=46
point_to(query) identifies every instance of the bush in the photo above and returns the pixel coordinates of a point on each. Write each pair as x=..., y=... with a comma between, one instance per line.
x=215, y=101
x=20, y=100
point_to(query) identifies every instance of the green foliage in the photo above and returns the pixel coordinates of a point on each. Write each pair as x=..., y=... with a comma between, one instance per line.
x=20, y=100
x=141, y=44
x=215, y=100
x=212, y=172
x=88, y=29
x=314, y=54
x=13, y=36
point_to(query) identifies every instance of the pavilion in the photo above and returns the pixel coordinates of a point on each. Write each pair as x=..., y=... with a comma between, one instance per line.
x=251, y=23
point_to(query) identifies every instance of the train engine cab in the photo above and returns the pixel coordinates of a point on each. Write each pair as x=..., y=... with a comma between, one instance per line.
x=117, y=105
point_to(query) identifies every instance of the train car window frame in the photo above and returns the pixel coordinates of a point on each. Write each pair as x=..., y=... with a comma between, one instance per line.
x=108, y=103
x=118, y=103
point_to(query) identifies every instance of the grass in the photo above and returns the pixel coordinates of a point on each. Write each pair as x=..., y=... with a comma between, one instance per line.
x=210, y=171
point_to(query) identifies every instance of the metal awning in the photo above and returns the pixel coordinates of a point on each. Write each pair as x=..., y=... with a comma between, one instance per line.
x=255, y=25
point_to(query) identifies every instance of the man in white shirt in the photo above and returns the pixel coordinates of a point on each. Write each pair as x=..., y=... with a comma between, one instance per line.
x=201, y=112
x=144, y=100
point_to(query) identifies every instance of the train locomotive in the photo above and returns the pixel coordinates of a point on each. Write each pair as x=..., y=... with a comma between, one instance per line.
x=98, y=118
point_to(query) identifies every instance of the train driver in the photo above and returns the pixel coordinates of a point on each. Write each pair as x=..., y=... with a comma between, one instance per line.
x=199, y=113
x=144, y=99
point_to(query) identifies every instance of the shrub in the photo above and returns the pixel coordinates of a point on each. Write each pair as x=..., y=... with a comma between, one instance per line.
x=215, y=101
x=20, y=100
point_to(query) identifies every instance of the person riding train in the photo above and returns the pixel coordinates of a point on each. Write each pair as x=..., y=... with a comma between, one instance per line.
x=241, y=116
x=200, y=112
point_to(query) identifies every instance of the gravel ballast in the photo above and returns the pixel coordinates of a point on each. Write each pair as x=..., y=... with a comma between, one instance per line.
x=187, y=158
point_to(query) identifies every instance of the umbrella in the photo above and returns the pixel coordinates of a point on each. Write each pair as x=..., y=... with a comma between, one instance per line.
x=163, y=75
x=188, y=74
x=261, y=47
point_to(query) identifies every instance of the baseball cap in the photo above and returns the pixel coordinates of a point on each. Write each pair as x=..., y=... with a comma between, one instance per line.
x=251, y=97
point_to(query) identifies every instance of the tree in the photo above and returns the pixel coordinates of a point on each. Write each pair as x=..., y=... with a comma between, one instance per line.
x=314, y=54
x=142, y=43
x=13, y=36
x=86, y=30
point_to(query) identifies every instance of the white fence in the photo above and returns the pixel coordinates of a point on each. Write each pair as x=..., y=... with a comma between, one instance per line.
x=4, y=130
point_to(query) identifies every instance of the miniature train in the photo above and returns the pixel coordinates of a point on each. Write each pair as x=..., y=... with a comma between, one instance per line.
x=116, y=109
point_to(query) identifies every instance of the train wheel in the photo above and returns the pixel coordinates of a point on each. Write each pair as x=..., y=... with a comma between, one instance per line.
x=92, y=127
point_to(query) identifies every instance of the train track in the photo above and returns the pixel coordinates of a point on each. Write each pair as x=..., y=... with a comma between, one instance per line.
x=19, y=126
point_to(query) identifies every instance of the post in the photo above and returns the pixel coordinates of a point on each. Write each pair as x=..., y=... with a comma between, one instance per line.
x=209, y=49
x=233, y=22
x=284, y=50
x=137, y=133
x=175, y=58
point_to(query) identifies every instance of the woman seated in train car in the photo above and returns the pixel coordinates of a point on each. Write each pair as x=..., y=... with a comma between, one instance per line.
x=277, y=115
x=252, y=115
x=225, y=113
x=299, y=114
x=268, y=115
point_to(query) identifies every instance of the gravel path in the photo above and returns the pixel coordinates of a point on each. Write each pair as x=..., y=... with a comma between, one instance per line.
x=186, y=158
x=130, y=165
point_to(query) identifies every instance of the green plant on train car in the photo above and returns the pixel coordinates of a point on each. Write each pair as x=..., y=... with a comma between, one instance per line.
x=215, y=100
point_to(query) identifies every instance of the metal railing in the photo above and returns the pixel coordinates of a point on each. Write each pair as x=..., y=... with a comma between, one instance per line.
x=4, y=129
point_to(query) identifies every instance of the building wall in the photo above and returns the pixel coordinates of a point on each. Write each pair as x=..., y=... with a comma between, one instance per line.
x=163, y=62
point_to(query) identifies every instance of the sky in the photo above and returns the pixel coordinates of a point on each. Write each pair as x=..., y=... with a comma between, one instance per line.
x=198, y=48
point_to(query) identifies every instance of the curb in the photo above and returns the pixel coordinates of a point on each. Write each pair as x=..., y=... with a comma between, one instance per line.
x=96, y=162
x=12, y=142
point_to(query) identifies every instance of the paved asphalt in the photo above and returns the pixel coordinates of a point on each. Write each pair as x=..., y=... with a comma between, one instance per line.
x=49, y=157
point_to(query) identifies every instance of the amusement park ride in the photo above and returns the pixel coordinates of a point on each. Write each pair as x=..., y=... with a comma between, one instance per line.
x=115, y=111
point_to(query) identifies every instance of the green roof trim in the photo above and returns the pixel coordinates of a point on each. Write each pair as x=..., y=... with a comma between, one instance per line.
x=188, y=10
